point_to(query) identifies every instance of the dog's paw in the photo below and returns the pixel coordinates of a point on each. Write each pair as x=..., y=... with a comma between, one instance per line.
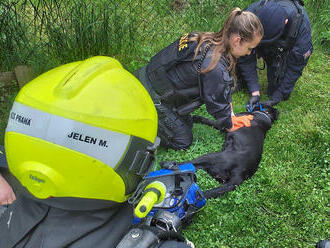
x=168, y=164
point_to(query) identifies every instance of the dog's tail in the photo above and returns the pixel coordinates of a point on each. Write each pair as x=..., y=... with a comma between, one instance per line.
x=205, y=121
x=221, y=190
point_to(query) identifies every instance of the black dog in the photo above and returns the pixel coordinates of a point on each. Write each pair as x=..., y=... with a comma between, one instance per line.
x=241, y=152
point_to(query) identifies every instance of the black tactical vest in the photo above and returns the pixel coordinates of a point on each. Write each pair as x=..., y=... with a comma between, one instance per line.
x=181, y=50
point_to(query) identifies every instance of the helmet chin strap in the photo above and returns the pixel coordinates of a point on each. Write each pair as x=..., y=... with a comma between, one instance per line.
x=143, y=159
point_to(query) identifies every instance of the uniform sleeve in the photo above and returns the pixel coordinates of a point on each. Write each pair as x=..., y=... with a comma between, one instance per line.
x=296, y=60
x=217, y=95
x=247, y=71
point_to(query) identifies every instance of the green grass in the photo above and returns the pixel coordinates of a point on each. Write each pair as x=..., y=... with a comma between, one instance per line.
x=286, y=203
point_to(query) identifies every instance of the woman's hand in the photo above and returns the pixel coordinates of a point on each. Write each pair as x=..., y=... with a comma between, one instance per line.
x=7, y=195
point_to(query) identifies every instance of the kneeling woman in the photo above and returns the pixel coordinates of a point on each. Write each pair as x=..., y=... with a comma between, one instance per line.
x=198, y=69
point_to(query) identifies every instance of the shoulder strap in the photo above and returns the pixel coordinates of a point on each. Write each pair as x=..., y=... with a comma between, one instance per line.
x=199, y=66
x=294, y=26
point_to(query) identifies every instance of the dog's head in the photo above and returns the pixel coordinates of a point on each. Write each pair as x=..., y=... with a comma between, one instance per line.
x=265, y=115
x=271, y=112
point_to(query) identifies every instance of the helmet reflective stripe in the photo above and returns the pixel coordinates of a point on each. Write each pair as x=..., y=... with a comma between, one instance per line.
x=104, y=145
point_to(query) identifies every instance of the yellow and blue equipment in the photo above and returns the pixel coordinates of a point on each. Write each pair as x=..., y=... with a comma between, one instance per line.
x=154, y=193
x=181, y=196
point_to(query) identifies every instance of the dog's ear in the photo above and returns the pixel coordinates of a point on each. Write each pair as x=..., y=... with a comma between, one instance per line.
x=273, y=113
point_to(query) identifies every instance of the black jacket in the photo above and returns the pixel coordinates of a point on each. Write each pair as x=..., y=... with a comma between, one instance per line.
x=296, y=56
x=216, y=85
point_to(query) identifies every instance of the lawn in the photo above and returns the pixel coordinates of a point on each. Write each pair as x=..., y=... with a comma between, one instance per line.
x=286, y=203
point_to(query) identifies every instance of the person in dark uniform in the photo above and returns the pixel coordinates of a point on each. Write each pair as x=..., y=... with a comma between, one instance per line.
x=285, y=48
x=198, y=69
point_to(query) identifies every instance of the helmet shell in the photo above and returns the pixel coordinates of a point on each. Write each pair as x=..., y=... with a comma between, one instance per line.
x=75, y=131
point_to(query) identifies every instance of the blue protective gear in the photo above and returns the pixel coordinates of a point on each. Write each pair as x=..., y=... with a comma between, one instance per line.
x=253, y=101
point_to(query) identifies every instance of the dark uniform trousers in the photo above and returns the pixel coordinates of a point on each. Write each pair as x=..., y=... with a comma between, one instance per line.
x=174, y=130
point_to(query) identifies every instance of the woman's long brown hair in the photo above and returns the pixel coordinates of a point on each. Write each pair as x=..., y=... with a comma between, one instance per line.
x=243, y=23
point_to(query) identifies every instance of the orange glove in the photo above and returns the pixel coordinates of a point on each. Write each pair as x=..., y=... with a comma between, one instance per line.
x=240, y=121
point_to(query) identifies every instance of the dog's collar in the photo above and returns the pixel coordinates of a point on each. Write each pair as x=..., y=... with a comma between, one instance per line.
x=263, y=113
